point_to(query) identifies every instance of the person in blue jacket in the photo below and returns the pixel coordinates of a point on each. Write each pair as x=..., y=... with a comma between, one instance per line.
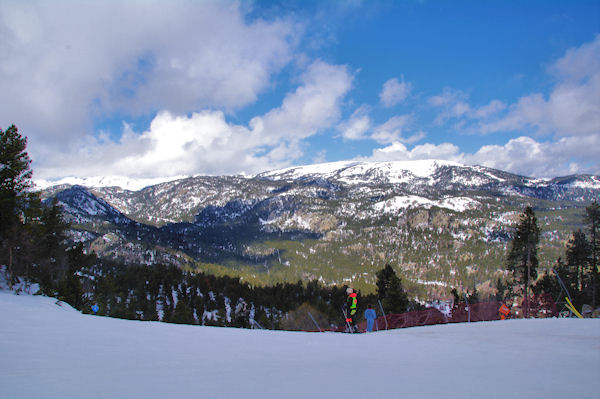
x=370, y=315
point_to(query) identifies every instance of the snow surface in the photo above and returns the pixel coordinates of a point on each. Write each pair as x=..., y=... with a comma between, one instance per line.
x=398, y=203
x=51, y=351
x=354, y=172
x=125, y=183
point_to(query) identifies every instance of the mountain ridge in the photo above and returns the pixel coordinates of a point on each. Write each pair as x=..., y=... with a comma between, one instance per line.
x=417, y=167
x=337, y=222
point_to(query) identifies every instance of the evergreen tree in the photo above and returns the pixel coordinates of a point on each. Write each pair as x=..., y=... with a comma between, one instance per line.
x=578, y=257
x=70, y=288
x=53, y=265
x=592, y=221
x=15, y=181
x=390, y=291
x=522, y=258
x=470, y=297
x=503, y=290
x=182, y=314
x=549, y=282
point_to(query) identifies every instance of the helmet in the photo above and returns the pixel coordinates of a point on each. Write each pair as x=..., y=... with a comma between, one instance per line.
x=349, y=290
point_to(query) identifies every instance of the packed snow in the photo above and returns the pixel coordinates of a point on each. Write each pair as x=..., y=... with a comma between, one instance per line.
x=50, y=350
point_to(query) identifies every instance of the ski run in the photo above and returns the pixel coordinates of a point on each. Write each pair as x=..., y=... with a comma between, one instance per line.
x=50, y=350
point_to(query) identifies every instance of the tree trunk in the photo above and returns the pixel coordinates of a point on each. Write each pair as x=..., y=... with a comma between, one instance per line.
x=10, y=273
x=594, y=265
x=526, y=313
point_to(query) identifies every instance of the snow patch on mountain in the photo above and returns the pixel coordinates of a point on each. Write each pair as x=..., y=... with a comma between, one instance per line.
x=399, y=203
x=125, y=183
x=589, y=182
x=394, y=172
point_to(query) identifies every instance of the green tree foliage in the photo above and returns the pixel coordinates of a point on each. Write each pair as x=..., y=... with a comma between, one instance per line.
x=549, y=284
x=503, y=290
x=578, y=257
x=169, y=294
x=523, y=255
x=390, y=291
x=592, y=222
x=15, y=180
x=53, y=264
x=15, y=176
x=299, y=319
x=33, y=235
x=471, y=297
x=580, y=272
x=182, y=314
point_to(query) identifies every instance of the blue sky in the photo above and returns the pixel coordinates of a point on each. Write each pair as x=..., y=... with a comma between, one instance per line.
x=157, y=89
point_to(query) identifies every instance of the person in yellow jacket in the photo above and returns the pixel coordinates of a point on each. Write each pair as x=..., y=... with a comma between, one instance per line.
x=351, y=308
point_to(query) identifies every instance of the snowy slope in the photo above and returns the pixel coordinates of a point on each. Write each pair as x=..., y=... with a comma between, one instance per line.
x=125, y=183
x=362, y=172
x=49, y=351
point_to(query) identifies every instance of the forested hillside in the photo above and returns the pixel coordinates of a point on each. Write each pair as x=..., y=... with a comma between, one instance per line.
x=441, y=225
x=255, y=250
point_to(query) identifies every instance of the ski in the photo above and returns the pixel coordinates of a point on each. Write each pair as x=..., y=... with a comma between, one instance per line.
x=570, y=306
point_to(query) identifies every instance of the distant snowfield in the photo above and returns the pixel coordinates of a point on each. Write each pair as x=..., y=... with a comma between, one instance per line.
x=51, y=351
x=125, y=183
x=353, y=172
x=399, y=203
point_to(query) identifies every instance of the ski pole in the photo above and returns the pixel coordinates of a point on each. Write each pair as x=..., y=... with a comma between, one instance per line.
x=383, y=313
x=314, y=321
x=346, y=319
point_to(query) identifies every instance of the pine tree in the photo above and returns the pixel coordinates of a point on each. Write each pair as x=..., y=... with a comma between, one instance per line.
x=15, y=181
x=503, y=290
x=53, y=266
x=522, y=259
x=182, y=314
x=578, y=257
x=390, y=291
x=592, y=221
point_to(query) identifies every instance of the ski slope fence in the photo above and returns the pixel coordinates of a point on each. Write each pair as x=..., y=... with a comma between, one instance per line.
x=540, y=306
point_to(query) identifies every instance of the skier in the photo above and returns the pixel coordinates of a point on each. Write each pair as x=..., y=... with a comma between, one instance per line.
x=351, y=307
x=370, y=315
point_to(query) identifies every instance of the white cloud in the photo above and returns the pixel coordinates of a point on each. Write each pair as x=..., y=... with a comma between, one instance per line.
x=358, y=125
x=204, y=141
x=454, y=104
x=526, y=156
x=399, y=152
x=313, y=106
x=394, y=92
x=485, y=111
x=522, y=155
x=572, y=108
x=391, y=130
x=578, y=64
x=68, y=63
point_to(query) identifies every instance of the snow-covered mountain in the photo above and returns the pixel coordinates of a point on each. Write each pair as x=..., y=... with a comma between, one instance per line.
x=434, y=173
x=382, y=172
x=49, y=350
x=336, y=222
x=125, y=183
